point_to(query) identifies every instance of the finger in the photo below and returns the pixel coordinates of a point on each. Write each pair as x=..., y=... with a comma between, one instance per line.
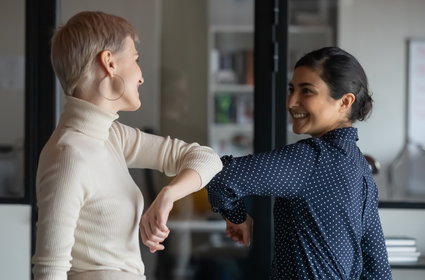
x=162, y=222
x=157, y=231
x=229, y=232
x=146, y=225
x=236, y=239
x=143, y=233
x=152, y=233
x=246, y=238
x=153, y=246
x=235, y=236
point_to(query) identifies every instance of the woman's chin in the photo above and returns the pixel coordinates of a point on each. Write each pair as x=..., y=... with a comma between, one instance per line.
x=132, y=107
x=135, y=108
x=297, y=130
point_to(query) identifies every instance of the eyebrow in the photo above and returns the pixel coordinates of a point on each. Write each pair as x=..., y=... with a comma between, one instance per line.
x=302, y=84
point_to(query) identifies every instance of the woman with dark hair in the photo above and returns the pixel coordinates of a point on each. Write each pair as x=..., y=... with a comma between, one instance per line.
x=326, y=209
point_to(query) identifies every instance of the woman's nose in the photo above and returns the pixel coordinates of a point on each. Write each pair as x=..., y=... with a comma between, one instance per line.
x=141, y=81
x=291, y=100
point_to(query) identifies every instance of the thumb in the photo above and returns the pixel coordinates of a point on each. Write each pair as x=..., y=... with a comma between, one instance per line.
x=162, y=222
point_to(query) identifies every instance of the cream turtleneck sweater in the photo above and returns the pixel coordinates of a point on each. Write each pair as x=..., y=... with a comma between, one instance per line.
x=89, y=206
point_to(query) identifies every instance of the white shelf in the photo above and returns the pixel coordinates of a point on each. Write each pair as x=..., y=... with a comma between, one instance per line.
x=231, y=29
x=232, y=88
x=303, y=29
x=228, y=128
x=197, y=225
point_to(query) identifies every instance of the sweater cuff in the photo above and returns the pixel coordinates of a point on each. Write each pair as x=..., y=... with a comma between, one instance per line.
x=205, y=162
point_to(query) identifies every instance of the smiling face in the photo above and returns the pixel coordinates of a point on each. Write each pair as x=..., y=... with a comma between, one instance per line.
x=129, y=70
x=311, y=107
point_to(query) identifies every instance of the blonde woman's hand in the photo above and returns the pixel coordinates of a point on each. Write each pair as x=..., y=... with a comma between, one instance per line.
x=240, y=233
x=153, y=228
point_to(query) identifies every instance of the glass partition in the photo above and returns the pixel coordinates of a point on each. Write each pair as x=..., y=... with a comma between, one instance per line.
x=12, y=96
x=206, y=97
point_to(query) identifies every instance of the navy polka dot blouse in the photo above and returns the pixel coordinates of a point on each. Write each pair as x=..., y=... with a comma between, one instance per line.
x=326, y=208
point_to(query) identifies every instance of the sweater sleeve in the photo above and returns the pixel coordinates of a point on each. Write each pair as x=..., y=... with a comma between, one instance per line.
x=171, y=156
x=59, y=199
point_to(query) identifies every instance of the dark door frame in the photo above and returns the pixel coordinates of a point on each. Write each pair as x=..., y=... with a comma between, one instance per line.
x=40, y=93
x=270, y=80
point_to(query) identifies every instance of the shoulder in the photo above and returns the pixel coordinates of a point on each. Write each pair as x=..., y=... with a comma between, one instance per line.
x=308, y=147
x=64, y=151
x=123, y=136
x=62, y=168
x=122, y=133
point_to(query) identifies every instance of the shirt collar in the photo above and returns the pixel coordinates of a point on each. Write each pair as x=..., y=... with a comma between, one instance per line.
x=345, y=133
x=87, y=118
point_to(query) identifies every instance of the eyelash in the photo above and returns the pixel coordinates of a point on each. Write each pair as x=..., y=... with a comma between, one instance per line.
x=306, y=90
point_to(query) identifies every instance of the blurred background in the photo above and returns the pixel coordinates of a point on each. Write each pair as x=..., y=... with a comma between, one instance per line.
x=199, y=62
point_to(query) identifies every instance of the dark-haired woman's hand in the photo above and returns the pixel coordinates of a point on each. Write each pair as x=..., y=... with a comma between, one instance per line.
x=240, y=233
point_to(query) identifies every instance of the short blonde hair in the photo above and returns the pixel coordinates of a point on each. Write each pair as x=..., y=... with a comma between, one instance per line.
x=76, y=44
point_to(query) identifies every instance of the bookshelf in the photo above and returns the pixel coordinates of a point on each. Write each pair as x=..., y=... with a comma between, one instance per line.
x=230, y=89
x=230, y=86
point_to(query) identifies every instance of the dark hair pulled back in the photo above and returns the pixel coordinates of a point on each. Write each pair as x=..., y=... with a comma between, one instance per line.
x=343, y=74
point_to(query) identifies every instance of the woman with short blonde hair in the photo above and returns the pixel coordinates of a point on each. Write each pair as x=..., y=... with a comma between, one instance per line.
x=89, y=208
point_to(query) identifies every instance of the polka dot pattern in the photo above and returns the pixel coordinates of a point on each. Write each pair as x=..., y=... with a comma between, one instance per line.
x=326, y=209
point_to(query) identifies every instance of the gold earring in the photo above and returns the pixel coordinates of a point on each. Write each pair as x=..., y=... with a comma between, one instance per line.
x=116, y=85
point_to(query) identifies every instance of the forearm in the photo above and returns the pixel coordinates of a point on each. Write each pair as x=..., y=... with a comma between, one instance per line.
x=186, y=182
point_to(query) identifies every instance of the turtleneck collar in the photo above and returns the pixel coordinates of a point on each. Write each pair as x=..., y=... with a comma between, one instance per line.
x=87, y=118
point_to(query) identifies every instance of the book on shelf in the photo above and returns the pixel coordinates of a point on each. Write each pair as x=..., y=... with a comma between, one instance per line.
x=401, y=249
x=244, y=108
x=225, y=108
x=400, y=241
x=236, y=108
x=232, y=67
x=403, y=257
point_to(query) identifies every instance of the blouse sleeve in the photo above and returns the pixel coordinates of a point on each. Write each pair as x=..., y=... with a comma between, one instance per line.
x=171, y=156
x=280, y=173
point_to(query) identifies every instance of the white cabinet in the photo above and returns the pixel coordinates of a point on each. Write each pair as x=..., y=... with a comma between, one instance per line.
x=15, y=241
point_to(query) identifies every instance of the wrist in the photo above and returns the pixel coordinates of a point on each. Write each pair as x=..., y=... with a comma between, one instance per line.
x=169, y=194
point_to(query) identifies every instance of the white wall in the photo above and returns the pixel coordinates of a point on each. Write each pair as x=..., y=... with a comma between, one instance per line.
x=375, y=31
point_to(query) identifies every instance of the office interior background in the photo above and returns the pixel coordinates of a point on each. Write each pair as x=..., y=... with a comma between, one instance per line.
x=197, y=58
